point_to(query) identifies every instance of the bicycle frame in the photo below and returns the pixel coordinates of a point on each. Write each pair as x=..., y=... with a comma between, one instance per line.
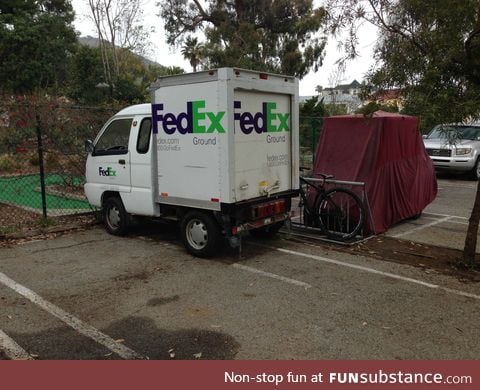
x=322, y=212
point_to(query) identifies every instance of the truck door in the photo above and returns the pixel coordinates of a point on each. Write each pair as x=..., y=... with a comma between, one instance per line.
x=142, y=199
x=109, y=166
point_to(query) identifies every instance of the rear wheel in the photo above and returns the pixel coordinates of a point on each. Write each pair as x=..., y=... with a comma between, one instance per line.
x=340, y=214
x=201, y=234
x=115, y=217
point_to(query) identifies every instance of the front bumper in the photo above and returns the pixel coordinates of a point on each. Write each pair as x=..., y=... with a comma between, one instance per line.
x=454, y=163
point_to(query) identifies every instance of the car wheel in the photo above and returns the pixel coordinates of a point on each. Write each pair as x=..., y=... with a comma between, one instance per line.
x=476, y=170
x=115, y=217
x=416, y=216
x=201, y=234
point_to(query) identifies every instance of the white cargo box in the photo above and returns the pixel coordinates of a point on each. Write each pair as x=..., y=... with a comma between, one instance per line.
x=224, y=136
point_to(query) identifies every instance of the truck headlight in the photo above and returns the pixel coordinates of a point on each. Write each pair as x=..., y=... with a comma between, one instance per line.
x=463, y=151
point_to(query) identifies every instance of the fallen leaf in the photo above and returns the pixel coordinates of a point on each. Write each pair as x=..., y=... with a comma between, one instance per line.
x=364, y=323
x=33, y=355
x=120, y=341
x=197, y=355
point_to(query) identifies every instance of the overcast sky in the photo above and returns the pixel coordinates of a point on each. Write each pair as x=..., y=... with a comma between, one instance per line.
x=168, y=56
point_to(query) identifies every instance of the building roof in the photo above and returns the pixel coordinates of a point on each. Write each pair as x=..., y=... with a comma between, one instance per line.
x=389, y=94
x=343, y=87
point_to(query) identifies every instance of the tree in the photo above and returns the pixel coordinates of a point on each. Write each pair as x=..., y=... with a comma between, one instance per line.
x=86, y=76
x=311, y=120
x=430, y=49
x=87, y=84
x=270, y=35
x=192, y=51
x=36, y=41
x=119, y=31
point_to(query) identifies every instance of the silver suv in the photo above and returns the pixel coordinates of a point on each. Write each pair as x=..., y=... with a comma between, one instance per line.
x=455, y=148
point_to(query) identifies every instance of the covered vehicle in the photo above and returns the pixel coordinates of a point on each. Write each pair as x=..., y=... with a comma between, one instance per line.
x=386, y=152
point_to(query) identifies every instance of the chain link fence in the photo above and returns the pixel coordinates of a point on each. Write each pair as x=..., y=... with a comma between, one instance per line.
x=42, y=160
x=310, y=128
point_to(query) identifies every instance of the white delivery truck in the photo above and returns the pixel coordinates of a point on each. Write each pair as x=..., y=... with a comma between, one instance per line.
x=216, y=151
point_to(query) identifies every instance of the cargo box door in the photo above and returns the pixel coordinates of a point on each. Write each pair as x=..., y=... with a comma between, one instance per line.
x=262, y=144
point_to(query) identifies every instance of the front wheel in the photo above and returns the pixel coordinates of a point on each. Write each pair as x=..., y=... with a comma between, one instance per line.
x=115, y=217
x=201, y=234
x=340, y=214
x=476, y=170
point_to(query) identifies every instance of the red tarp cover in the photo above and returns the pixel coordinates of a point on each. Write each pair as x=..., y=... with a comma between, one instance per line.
x=386, y=152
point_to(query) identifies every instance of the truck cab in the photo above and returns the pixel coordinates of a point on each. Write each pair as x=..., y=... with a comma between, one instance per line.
x=119, y=166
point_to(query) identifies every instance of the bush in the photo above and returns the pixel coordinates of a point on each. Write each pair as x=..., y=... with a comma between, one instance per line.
x=8, y=164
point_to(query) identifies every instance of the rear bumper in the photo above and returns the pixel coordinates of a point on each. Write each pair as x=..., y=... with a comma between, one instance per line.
x=244, y=227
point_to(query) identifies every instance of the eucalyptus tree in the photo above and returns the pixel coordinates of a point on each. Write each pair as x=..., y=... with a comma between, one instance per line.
x=281, y=36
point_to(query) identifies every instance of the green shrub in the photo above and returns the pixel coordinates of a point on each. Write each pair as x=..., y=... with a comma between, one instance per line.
x=8, y=164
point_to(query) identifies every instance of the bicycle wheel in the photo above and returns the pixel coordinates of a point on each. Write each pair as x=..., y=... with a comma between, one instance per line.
x=340, y=213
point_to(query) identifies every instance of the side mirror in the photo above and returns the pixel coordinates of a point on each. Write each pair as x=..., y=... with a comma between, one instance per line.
x=89, y=146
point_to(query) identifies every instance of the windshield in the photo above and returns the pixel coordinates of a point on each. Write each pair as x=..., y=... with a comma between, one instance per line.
x=471, y=133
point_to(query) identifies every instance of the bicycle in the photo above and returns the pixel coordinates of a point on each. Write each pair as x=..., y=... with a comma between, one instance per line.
x=337, y=212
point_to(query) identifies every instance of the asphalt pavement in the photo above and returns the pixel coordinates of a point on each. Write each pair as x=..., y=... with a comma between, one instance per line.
x=90, y=295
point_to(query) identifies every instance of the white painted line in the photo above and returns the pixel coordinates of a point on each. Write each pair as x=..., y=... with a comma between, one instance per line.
x=72, y=321
x=445, y=215
x=12, y=349
x=273, y=276
x=450, y=221
x=372, y=271
x=422, y=227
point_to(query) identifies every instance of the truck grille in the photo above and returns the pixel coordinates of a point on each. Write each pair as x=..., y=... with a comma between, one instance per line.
x=439, y=152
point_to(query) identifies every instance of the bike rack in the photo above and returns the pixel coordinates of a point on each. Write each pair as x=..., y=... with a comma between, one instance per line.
x=297, y=226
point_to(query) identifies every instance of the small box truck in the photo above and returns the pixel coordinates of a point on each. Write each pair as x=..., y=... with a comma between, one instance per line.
x=216, y=151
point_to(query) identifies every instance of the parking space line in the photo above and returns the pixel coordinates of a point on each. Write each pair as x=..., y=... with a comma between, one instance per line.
x=12, y=349
x=271, y=275
x=445, y=215
x=87, y=330
x=450, y=221
x=372, y=271
x=421, y=227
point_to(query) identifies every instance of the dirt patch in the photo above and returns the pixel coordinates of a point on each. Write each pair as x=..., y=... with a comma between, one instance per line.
x=12, y=218
x=430, y=258
x=18, y=225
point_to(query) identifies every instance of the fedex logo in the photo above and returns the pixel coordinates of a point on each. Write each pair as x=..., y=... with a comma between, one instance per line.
x=266, y=121
x=107, y=172
x=195, y=120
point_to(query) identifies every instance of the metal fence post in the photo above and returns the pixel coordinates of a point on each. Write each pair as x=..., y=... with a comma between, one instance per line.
x=41, y=165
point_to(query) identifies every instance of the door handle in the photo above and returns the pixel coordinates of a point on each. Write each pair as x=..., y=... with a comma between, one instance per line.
x=122, y=161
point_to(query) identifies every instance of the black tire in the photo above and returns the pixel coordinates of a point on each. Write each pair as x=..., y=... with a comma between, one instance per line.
x=267, y=231
x=201, y=234
x=415, y=217
x=115, y=217
x=475, y=174
x=340, y=214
